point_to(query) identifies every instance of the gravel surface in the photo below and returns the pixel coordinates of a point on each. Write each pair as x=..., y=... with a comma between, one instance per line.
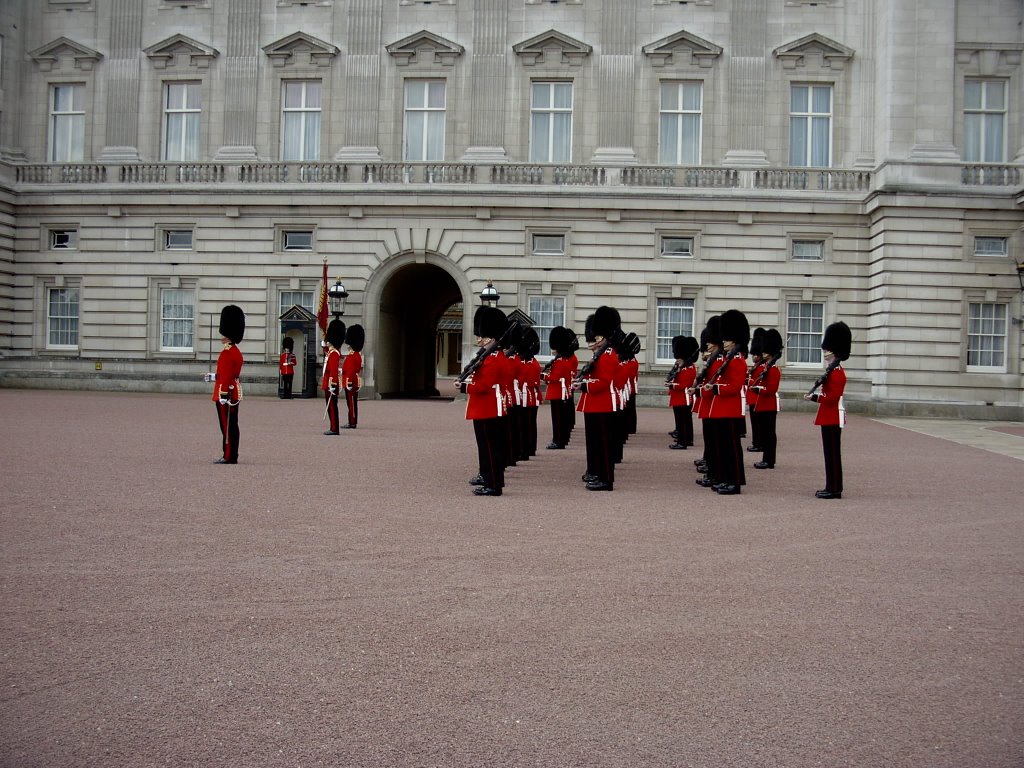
x=346, y=601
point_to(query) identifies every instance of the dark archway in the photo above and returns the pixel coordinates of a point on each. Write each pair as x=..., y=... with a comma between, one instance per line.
x=411, y=304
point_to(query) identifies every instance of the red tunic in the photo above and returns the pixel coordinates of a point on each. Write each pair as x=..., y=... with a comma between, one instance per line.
x=755, y=372
x=331, y=368
x=831, y=411
x=765, y=393
x=531, y=383
x=704, y=398
x=287, y=364
x=727, y=394
x=560, y=377
x=677, y=394
x=484, y=387
x=600, y=395
x=229, y=368
x=351, y=367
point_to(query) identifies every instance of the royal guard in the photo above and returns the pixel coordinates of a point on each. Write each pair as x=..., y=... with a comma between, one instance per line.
x=286, y=367
x=227, y=389
x=831, y=416
x=766, y=404
x=757, y=366
x=685, y=350
x=352, y=372
x=511, y=385
x=559, y=373
x=596, y=382
x=711, y=351
x=485, y=405
x=529, y=345
x=331, y=383
x=728, y=407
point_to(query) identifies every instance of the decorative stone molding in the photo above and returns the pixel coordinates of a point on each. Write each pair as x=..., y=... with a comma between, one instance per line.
x=988, y=59
x=165, y=54
x=690, y=49
x=49, y=56
x=282, y=52
x=833, y=55
x=536, y=50
x=424, y=47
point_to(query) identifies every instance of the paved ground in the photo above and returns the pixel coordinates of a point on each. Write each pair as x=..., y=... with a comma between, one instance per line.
x=345, y=601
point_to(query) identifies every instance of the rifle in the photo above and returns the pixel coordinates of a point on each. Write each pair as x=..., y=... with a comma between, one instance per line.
x=589, y=365
x=674, y=372
x=483, y=352
x=764, y=371
x=824, y=377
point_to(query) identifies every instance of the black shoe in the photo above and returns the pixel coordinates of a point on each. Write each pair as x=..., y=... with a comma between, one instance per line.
x=329, y=432
x=677, y=447
x=555, y=447
x=727, y=489
x=588, y=478
x=477, y=480
x=485, y=491
x=225, y=461
x=763, y=465
x=599, y=485
x=674, y=434
x=348, y=426
x=754, y=449
x=706, y=482
x=698, y=462
x=828, y=495
x=702, y=467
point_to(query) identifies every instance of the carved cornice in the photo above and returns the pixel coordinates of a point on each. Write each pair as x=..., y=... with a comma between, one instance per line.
x=424, y=47
x=689, y=47
x=165, y=53
x=282, y=52
x=569, y=50
x=833, y=55
x=49, y=56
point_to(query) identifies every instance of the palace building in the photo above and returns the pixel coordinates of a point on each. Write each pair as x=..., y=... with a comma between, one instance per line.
x=804, y=161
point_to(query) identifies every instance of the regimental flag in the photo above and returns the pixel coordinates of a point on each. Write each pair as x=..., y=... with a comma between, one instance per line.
x=321, y=305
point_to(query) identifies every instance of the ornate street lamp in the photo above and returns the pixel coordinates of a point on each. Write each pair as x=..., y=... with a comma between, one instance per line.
x=337, y=294
x=489, y=296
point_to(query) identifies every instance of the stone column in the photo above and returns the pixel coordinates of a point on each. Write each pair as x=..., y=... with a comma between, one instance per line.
x=748, y=20
x=362, y=82
x=616, y=72
x=241, y=79
x=13, y=68
x=122, y=82
x=488, y=83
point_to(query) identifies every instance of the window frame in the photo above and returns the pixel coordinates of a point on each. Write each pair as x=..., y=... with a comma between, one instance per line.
x=984, y=112
x=790, y=344
x=657, y=294
x=49, y=344
x=184, y=112
x=986, y=301
x=563, y=291
x=681, y=113
x=304, y=112
x=76, y=116
x=281, y=232
x=163, y=237
x=52, y=234
x=165, y=348
x=426, y=111
x=551, y=110
x=809, y=116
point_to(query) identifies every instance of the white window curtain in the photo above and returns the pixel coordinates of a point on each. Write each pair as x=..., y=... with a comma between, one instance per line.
x=551, y=123
x=177, y=317
x=182, y=112
x=424, y=120
x=547, y=312
x=680, y=123
x=986, y=336
x=62, y=317
x=810, y=126
x=300, y=120
x=675, y=318
x=804, y=329
x=67, y=124
x=985, y=121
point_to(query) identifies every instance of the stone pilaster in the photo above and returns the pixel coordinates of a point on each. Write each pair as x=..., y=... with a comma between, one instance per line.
x=122, y=82
x=363, y=82
x=241, y=67
x=748, y=20
x=616, y=70
x=488, y=85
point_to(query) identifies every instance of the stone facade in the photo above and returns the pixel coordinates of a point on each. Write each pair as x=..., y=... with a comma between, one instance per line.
x=913, y=226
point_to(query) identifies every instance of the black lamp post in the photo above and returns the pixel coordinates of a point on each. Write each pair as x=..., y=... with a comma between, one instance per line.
x=337, y=294
x=489, y=296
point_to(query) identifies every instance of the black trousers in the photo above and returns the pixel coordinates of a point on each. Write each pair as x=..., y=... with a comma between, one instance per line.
x=599, y=436
x=710, y=448
x=831, y=444
x=491, y=444
x=562, y=419
x=684, y=423
x=352, y=401
x=529, y=446
x=763, y=424
x=286, y=385
x=332, y=410
x=729, y=465
x=755, y=430
x=227, y=420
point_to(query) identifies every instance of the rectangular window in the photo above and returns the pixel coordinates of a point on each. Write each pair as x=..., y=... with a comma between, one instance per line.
x=177, y=240
x=551, y=123
x=985, y=121
x=547, y=313
x=182, y=111
x=990, y=246
x=289, y=299
x=300, y=120
x=67, y=123
x=677, y=247
x=424, y=120
x=808, y=250
x=63, y=239
x=547, y=245
x=177, y=317
x=675, y=318
x=804, y=328
x=62, y=317
x=986, y=337
x=680, y=123
x=810, y=126
x=297, y=240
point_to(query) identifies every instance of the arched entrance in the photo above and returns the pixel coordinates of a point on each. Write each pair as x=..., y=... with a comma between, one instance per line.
x=413, y=297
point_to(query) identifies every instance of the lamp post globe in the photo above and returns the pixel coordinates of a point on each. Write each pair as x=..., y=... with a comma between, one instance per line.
x=337, y=294
x=489, y=295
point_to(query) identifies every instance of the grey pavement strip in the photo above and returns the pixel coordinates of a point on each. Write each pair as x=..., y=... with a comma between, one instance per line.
x=977, y=434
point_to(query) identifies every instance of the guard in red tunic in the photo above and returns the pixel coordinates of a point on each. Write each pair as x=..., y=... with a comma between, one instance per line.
x=598, y=401
x=352, y=372
x=831, y=415
x=757, y=366
x=332, y=372
x=486, y=402
x=227, y=390
x=728, y=402
x=711, y=346
x=680, y=399
x=765, y=403
x=286, y=367
x=559, y=375
x=529, y=345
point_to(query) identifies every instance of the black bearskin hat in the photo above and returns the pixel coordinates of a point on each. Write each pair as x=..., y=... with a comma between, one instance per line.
x=560, y=340
x=627, y=345
x=772, y=344
x=529, y=343
x=712, y=333
x=756, y=341
x=288, y=343
x=232, y=323
x=735, y=328
x=489, y=322
x=513, y=337
x=606, y=322
x=838, y=340
x=355, y=337
x=684, y=347
x=336, y=333
x=588, y=329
